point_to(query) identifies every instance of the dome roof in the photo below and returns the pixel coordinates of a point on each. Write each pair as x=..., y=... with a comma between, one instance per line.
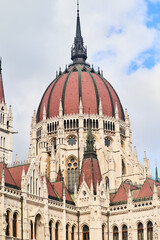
x=79, y=82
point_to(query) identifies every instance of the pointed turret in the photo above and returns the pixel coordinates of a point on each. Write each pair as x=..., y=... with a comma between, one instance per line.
x=90, y=149
x=2, y=98
x=100, y=107
x=156, y=174
x=60, y=108
x=116, y=112
x=90, y=172
x=78, y=51
x=44, y=112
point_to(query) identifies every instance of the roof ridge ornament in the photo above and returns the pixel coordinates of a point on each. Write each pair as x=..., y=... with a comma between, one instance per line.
x=78, y=51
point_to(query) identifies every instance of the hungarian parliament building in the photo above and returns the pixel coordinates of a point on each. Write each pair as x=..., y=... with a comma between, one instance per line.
x=82, y=179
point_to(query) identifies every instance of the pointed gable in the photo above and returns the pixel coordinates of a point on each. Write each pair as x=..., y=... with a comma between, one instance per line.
x=147, y=188
x=121, y=194
x=16, y=173
x=91, y=172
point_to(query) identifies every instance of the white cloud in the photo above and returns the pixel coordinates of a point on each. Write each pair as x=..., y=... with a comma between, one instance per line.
x=36, y=37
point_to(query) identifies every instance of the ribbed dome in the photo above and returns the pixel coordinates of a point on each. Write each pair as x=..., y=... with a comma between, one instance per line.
x=79, y=82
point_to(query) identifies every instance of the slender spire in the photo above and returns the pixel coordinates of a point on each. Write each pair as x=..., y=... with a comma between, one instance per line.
x=78, y=51
x=2, y=98
x=90, y=149
x=156, y=172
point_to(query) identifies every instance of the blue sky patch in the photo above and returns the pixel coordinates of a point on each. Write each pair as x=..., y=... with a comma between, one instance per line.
x=147, y=59
x=153, y=13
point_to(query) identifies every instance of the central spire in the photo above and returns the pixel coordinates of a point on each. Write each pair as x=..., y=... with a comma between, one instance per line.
x=78, y=51
x=90, y=149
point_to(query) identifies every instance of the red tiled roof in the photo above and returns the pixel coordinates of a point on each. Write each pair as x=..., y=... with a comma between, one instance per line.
x=122, y=193
x=59, y=187
x=91, y=172
x=50, y=188
x=7, y=175
x=70, y=86
x=16, y=173
x=147, y=188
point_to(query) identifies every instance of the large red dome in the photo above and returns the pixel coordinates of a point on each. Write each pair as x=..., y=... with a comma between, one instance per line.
x=77, y=82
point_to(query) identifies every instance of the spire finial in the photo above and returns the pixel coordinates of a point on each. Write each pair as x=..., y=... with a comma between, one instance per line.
x=78, y=7
x=78, y=51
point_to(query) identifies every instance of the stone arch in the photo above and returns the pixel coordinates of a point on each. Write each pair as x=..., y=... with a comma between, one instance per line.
x=8, y=222
x=68, y=228
x=51, y=229
x=73, y=231
x=57, y=230
x=39, y=227
x=85, y=232
x=15, y=224
x=124, y=169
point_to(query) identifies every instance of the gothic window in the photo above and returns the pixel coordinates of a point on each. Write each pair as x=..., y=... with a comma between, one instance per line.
x=72, y=140
x=31, y=185
x=115, y=233
x=33, y=179
x=31, y=226
x=85, y=232
x=107, y=142
x=7, y=223
x=103, y=232
x=107, y=183
x=73, y=233
x=67, y=232
x=50, y=230
x=15, y=224
x=149, y=230
x=124, y=233
x=140, y=231
x=54, y=143
x=72, y=174
x=123, y=167
x=57, y=231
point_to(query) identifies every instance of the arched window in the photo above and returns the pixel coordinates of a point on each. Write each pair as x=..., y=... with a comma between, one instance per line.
x=15, y=224
x=72, y=174
x=115, y=233
x=85, y=232
x=123, y=167
x=7, y=223
x=103, y=228
x=31, y=226
x=107, y=183
x=57, y=231
x=73, y=233
x=149, y=230
x=124, y=233
x=67, y=232
x=140, y=231
x=51, y=230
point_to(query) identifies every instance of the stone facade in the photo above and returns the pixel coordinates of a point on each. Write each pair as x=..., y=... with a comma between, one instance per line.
x=81, y=180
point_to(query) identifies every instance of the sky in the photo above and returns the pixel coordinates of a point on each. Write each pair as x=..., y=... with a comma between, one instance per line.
x=122, y=38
